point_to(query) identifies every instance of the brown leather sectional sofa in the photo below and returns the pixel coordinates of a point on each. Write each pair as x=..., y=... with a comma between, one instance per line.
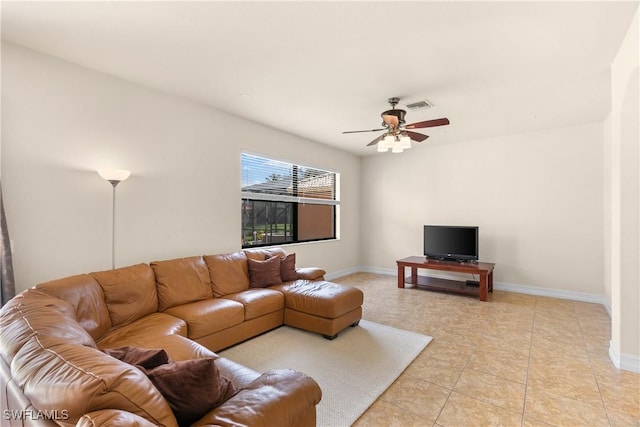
x=52, y=366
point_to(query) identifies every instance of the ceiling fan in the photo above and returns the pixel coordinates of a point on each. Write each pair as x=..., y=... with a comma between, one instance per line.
x=397, y=136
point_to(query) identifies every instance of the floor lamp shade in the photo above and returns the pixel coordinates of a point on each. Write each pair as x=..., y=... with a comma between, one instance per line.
x=117, y=175
x=114, y=176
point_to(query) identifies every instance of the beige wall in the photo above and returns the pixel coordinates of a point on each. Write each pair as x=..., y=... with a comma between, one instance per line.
x=606, y=209
x=623, y=203
x=536, y=197
x=61, y=122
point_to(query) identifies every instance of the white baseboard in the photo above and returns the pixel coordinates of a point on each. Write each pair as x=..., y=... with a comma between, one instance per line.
x=342, y=273
x=378, y=270
x=627, y=362
x=553, y=293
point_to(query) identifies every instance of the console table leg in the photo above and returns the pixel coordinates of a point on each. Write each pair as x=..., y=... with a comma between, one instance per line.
x=401, y=276
x=484, y=284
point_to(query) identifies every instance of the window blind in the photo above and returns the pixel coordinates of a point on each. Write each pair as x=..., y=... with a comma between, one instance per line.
x=276, y=180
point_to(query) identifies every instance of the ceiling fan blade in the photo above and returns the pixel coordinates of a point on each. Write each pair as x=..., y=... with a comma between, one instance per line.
x=375, y=141
x=417, y=136
x=428, y=124
x=358, y=131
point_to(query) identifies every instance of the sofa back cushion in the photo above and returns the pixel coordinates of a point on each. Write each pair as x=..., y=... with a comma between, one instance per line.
x=53, y=360
x=261, y=254
x=34, y=313
x=181, y=281
x=229, y=273
x=85, y=296
x=130, y=292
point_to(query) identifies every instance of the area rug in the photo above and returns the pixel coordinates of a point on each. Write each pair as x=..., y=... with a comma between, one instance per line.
x=352, y=370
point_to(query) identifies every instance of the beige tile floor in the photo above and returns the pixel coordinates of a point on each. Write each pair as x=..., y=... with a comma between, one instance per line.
x=515, y=360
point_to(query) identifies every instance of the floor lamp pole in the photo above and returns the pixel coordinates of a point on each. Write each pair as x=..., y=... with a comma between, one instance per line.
x=113, y=225
x=115, y=177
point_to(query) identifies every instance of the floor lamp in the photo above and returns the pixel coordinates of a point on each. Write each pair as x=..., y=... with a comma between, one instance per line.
x=115, y=177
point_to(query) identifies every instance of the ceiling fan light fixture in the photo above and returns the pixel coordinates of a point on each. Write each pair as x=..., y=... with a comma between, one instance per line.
x=385, y=143
x=396, y=142
x=405, y=142
x=397, y=148
x=396, y=145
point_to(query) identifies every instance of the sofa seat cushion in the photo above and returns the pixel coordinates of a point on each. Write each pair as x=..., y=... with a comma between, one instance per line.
x=145, y=358
x=155, y=324
x=208, y=316
x=258, y=302
x=320, y=298
x=176, y=346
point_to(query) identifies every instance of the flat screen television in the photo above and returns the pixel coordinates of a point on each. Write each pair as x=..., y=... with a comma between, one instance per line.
x=459, y=243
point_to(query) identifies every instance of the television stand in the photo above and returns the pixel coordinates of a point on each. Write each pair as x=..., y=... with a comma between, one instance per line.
x=483, y=269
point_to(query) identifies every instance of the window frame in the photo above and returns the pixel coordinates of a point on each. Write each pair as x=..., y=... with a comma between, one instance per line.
x=294, y=200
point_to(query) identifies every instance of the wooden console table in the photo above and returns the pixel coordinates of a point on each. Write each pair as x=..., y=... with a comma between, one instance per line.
x=483, y=269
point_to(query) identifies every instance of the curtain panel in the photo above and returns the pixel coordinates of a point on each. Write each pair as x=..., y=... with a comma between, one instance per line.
x=7, y=283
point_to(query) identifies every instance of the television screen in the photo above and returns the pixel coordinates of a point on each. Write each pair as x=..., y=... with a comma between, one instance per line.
x=451, y=242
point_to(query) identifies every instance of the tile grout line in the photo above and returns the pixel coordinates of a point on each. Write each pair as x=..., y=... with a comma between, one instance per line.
x=526, y=379
x=453, y=387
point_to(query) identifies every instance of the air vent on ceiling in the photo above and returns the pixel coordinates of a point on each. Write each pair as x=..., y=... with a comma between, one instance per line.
x=419, y=105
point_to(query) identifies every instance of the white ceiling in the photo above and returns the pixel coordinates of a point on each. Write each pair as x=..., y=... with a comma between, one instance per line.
x=315, y=69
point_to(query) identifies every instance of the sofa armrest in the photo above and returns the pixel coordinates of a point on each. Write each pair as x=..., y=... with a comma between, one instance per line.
x=112, y=418
x=310, y=273
x=282, y=396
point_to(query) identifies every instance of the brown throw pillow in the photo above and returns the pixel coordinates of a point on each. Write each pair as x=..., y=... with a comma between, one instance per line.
x=192, y=387
x=264, y=273
x=141, y=357
x=288, y=268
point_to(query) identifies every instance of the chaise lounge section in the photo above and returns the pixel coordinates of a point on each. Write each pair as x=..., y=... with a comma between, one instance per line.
x=53, y=337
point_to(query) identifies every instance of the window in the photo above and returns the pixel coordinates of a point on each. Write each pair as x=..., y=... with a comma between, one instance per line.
x=286, y=203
